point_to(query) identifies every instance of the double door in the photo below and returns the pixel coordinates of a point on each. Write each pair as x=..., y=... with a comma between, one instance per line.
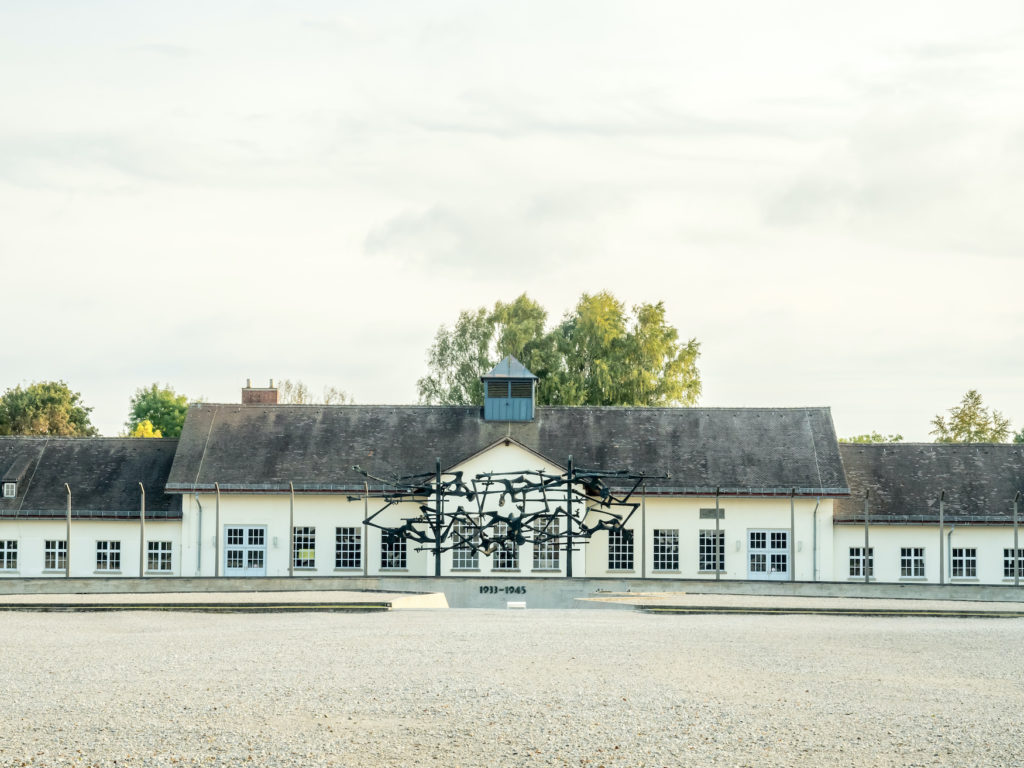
x=245, y=550
x=768, y=555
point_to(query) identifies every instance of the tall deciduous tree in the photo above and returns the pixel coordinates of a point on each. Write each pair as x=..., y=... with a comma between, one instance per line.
x=162, y=407
x=874, y=437
x=599, y=354
x=298, y=393
x=145, y=428
x=45, y=408
x=971, y=422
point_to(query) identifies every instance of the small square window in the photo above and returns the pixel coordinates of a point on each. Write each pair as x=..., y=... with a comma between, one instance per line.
x=10, y=490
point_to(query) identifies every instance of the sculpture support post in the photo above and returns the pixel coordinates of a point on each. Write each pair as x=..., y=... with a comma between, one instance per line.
x=437, y=518
x=568, y=521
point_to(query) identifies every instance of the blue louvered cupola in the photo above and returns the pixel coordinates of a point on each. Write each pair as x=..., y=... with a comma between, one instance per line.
x=509, y=392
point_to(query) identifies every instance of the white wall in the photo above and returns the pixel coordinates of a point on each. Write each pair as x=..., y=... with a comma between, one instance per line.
x=32, y=535
x=886, y=541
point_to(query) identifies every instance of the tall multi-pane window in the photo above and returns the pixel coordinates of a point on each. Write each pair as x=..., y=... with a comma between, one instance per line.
x=620, y=549
x=1008, y=563
x=857, y=561
x=912, y=562
x=55, y=555
x=392, y=553
x=464, y=554
x=158, y=556
x=666, y=549
x=545, y=545
x=964, y=563
x=506, y=557
x=108, y=555
x=8, y=555
x=304, y=547
x=711, y=551
x=348, y=547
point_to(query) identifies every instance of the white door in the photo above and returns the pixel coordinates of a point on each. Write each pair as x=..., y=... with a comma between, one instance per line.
x=245, y=550
x=768, y=555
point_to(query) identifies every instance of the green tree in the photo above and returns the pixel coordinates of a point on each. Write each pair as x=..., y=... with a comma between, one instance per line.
x=1018, y=437
x=45, y=408
x=599, y=354
x=971, y=422
x=874, y=437
x=145, y=429
x=162, y=407
x=299, y=393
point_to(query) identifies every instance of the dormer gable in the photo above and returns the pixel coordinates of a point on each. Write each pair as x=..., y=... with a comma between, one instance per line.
x=510, y=392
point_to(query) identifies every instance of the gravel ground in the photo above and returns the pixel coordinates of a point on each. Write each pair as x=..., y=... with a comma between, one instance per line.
x=489, y=688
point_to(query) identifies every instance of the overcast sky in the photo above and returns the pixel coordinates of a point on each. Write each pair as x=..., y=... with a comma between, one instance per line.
x=828, y=196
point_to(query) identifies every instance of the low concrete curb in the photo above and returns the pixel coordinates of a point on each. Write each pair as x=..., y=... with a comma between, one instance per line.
x=791, y=611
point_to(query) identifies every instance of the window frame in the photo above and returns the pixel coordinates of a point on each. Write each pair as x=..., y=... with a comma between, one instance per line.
x=665, y=550
x=912, y=564
x=394, y=556
x=621, y=554
x=303, y=544
x=966, y=561
x=55, y=551
x=159, y=556
x=10, y=490
x=464, y=556
x=856, y=563
x=1008, y=562
x=8, y=554
x=348, y=547
x=547, y=554
x=705, y=550
x=108, y=556
x=506, y=556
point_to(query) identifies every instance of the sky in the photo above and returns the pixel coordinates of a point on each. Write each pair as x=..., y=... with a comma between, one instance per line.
x=827, y=196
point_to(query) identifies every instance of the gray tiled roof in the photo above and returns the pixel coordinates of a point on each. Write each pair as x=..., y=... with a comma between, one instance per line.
x=509, y=368
x=104, y=474
x=905, y=480
x=743, y=450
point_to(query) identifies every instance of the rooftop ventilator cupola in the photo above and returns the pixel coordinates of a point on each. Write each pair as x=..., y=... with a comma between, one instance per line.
x=509, y=392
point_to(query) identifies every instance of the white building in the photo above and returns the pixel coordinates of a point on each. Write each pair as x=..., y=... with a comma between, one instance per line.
x=260, y=489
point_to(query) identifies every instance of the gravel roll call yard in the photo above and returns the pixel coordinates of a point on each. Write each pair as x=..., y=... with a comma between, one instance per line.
x=489, y=688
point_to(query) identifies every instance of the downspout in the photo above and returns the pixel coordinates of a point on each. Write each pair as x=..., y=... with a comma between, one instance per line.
x=568, y=520
x=643, y=531
x=199, y=539
x=142, y=532
x=814, y=540
x=67, y=544
x=942, y=515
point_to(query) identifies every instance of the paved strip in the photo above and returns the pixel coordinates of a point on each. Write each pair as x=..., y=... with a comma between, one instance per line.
x=248, y=607
x=810, y=611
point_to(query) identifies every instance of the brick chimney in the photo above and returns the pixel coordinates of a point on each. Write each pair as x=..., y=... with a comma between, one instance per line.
x=259, y=395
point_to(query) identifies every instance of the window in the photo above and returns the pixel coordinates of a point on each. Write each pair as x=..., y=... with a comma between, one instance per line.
x=545, y=545
x=464, y=556
x=1008, y=563
x=506, y=557
x=158, y=556
x=912, y=562
x=108, y=555
x=857, y=561
x=964, y=563
x=392, y=553
x=55, y=555
x=304, y=547
x=10, y=490
x=666, y=549
x=8, y=555
x=712, y=550
x=348, y=548
x=620, y=549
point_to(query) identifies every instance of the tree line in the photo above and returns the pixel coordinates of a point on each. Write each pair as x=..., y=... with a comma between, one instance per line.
x=597, y=353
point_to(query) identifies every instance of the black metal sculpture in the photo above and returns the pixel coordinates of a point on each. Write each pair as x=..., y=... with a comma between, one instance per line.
x=499, y=511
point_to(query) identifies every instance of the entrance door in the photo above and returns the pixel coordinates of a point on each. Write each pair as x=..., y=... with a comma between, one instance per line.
x=768, y=555
x=245, y=553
